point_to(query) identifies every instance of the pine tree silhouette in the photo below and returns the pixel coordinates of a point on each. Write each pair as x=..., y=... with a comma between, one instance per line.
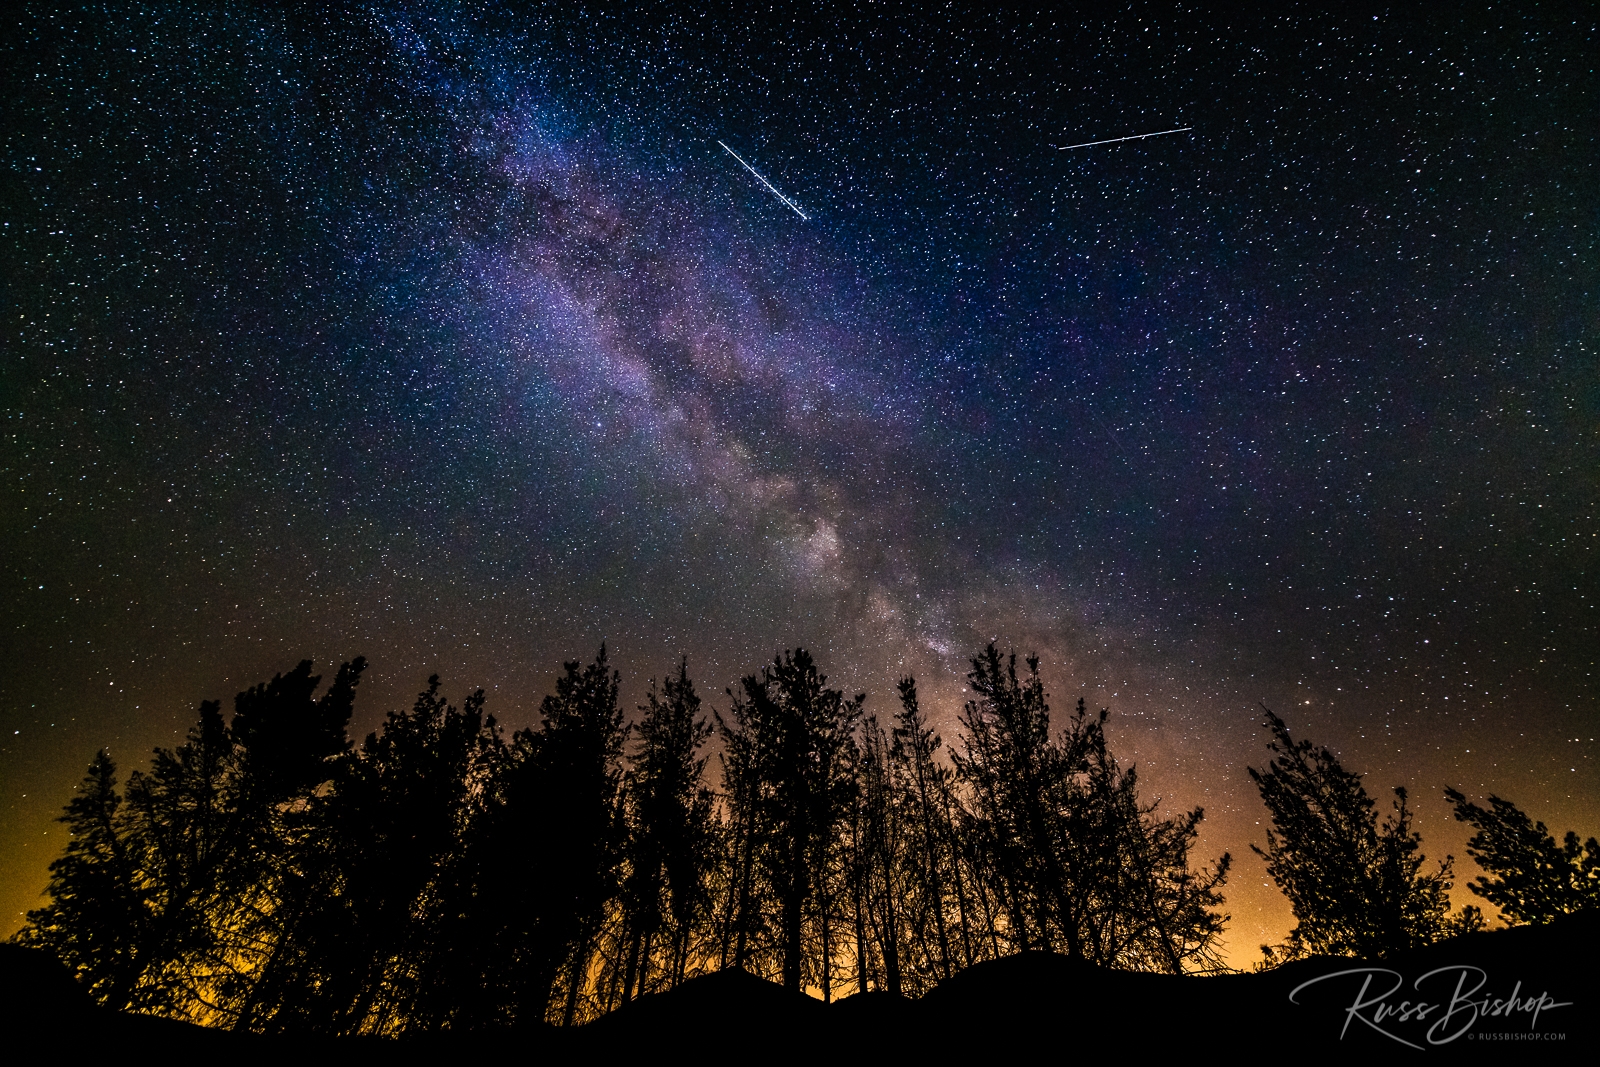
x=932, y=846
x=1065, y=856
x=1012, y=769
x=1534, y=880
x=199, y=845
x=362, y=917
x=1356, y=887
x=549, y=854
x=784, y=750
x=672, y=840
x=96, y=919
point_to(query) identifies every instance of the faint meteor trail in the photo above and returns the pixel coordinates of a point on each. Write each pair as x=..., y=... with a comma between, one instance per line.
x=1109, y=140
x=792, y=205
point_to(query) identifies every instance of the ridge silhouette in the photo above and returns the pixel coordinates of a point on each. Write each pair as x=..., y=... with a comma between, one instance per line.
x=1023, y=1002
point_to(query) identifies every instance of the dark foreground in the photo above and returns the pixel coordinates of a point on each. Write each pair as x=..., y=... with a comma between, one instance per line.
x=1528, y=993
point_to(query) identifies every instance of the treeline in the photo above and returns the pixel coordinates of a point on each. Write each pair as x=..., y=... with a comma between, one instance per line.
x=266, y=875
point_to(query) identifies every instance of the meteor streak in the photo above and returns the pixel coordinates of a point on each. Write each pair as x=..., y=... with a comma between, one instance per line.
x=792, y=205
x=1114, y=140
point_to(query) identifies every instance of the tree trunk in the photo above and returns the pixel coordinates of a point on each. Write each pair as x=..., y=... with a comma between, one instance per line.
x=579, y=966
x=630, y=969
x=794, y=913
x=890, y=935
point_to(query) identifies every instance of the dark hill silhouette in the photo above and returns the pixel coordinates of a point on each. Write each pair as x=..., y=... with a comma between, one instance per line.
x=34, y=986
x=40, y=1001
x=1029, y=1001
x=1039, y=997
x=739, y=1008
x=39, y=997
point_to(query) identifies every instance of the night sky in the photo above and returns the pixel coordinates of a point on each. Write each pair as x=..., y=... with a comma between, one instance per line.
x=450, y=336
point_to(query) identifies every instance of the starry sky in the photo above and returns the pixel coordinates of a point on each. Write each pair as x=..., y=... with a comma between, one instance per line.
x=449, y=335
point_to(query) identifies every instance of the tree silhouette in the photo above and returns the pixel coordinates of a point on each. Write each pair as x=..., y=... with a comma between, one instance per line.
x=362, y=921
x=865, y=862
x=1535, y=880
x=199, y=842
x=1018, y=811
x=1356, y=888
x=548, y=853
x=1152, y=912
x=95, y=921
x=785, y=740
x=938, y=899
x=285, y=737
x=200, y=850
x=671, y=839
x=1061, y=844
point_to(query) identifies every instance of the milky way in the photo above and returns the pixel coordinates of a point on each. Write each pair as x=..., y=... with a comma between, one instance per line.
x=456, y=339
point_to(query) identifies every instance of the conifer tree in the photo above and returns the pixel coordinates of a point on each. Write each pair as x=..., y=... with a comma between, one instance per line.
x=856, y=859
x=199, y=855
x=939, y=900
x=742, y=930
x=370, y=881
x=201, y=838
x=1357, y=888
x=1529, y=877
x=886, y=872
x=1152, y=911
x=671, y=838
x=548, y=853
x=1063, y=848
x=285, y=737
x=784, y=748
x=96, y=920
x=1012, y=771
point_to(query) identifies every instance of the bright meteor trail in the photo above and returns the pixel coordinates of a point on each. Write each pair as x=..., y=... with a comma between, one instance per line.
x=792, y=205
x=1114, y=140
